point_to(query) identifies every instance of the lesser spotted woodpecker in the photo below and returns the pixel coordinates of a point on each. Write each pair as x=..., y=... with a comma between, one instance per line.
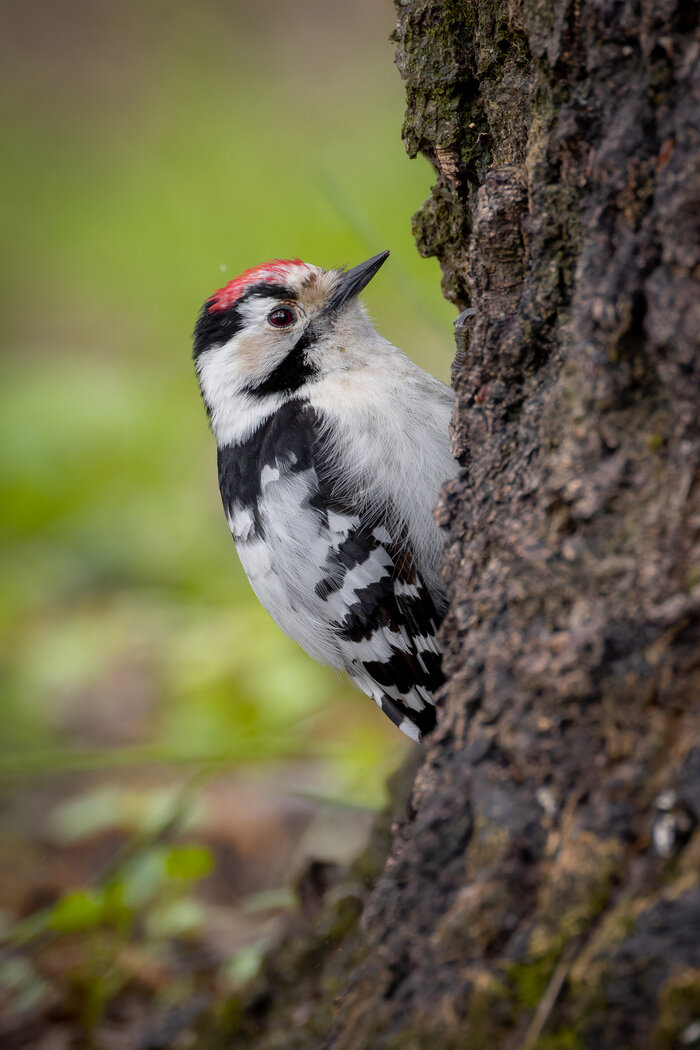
x=332, y=448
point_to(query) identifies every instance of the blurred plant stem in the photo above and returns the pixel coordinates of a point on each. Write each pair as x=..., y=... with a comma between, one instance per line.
x=59, y=760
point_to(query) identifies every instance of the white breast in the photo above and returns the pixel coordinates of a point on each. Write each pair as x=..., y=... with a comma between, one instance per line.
x=284, y=567
x=388, y=424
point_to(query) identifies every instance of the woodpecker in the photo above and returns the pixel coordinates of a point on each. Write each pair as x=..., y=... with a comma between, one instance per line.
x=332, y=448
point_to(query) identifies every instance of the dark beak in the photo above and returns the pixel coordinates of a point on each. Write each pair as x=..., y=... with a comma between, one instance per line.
x=352, y=282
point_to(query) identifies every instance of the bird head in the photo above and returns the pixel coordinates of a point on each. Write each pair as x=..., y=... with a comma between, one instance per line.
x=278, y=326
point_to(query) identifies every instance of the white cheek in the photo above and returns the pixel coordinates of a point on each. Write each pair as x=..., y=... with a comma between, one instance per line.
x=253, y=354
x=234, y=414
x=228, y=373
x=255, y=351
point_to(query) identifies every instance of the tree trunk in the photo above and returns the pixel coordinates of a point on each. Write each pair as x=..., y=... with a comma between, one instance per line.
x=542, y=886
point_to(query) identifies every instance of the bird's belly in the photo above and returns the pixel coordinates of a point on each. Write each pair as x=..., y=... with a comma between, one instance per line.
x=283, y=577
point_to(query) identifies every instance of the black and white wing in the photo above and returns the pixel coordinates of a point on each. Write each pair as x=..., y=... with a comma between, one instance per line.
x=385, y=619
x=341, y=580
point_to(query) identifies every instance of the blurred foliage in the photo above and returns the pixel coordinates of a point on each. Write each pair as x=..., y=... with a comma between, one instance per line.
x=129, y=920
x=151, y=152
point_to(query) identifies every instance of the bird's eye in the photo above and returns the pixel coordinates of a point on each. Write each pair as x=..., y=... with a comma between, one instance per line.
x=282, y=317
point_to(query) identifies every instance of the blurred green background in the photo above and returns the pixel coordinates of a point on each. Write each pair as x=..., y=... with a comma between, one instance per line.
x=151, y=152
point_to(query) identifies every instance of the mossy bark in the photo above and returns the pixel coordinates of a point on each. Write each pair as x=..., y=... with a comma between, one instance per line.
x=542, y=888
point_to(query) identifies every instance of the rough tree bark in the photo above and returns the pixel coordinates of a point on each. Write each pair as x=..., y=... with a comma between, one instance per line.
x=542, y=886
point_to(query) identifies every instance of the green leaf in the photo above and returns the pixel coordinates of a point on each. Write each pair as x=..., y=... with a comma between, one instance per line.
x=115, y=908
x=188, y=862
x=80, y=910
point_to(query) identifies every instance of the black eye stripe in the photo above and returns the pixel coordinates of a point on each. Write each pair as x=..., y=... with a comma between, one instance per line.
x=265, y=290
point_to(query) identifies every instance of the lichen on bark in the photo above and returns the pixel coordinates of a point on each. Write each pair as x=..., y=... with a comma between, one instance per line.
x=542, y=888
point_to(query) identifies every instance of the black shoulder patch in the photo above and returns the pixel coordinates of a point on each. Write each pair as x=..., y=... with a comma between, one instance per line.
x=286, y=438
